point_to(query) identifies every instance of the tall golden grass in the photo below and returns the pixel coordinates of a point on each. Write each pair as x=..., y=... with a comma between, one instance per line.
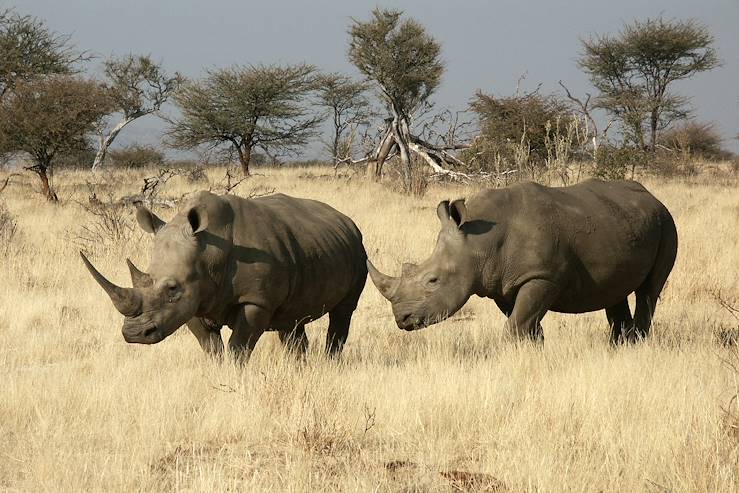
x=455, y=407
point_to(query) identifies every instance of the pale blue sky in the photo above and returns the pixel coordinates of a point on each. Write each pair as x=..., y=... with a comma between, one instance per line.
x=486, y=44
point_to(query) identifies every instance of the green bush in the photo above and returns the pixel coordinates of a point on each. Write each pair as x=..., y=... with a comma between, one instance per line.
x=136, y=156
x=615, y=163
x=510, y=124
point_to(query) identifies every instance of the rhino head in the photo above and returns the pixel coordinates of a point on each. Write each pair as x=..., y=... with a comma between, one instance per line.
x=430, y=292
x=170, y=294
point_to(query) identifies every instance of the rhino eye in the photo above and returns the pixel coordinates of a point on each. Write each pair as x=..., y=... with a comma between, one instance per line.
x=432, y=281
x=172, y=290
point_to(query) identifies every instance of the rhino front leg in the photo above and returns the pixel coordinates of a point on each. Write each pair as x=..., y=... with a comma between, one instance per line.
x=532, y=302
x=248, y=324
x=208, y=335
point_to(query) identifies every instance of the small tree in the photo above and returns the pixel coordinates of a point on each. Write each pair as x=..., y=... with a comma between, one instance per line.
x=138, y=87
x=244, y=108
x=404, y=62
x=348, y=107
x=693, y=139
x=49, y=117
x=514, y=119
x=29, y=50
x=633, y=72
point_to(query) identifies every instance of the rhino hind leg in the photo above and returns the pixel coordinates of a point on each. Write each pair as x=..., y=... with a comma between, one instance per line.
x=295, y=340
x=620, y=321
x=208, y=335
x=338, y=330
x=646, y=303
x=340, y=317
x=650, y=290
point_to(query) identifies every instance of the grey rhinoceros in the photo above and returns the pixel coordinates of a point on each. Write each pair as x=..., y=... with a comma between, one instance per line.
x=533, y=249
x=270, y=263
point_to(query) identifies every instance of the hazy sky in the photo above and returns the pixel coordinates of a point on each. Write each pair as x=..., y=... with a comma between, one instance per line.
x=486, y=44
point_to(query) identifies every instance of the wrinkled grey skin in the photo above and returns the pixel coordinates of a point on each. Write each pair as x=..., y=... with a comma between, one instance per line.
x=271, y=263
x=533, y=249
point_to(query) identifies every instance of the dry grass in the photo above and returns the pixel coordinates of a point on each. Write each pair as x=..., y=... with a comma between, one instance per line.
x=453, y=408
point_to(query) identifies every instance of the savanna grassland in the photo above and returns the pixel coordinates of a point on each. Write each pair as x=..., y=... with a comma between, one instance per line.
x=455, y=407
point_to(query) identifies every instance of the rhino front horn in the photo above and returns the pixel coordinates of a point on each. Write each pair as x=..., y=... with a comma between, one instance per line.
x=126, y=300
x=385, y=284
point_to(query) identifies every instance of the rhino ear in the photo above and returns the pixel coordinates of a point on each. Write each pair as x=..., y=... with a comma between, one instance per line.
x=148, y=221
x=458, y=212
x=442, y=210
x=198, y=219
x=452, y=215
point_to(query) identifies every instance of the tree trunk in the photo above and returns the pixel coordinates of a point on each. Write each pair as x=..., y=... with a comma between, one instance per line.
x=245, y=159
x=653, y=121
x=107, y=140
x=46, y=189
x=401, y=133
x=383, y=150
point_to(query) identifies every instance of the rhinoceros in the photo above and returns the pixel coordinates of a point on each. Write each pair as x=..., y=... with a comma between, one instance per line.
x=269, y=263
x=534, y=249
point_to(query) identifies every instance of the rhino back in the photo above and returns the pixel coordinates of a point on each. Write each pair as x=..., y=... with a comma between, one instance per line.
x=596, y=239
x=298, y=257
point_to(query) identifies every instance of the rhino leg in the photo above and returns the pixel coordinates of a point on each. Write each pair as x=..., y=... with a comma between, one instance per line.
x=532, y=302
x=620, y=321
x=295, y=340
x=208, y=335
x=648, y=293
x=248, y=324
x=340, y=318
x=338, y=330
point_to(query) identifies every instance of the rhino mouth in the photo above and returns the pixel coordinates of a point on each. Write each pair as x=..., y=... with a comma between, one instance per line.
x=135, y=333
x=409, y=324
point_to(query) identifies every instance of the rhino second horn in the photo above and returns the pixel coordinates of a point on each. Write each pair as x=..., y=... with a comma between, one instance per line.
x=139, y=279
x=126, y=300
x=385, y=284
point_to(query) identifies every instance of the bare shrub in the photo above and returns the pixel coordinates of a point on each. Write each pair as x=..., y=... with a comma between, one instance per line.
x=5, y=183
x=695, y=139
x=8, y=229
x=228, y=183
x=418, y=180
x=112, y=224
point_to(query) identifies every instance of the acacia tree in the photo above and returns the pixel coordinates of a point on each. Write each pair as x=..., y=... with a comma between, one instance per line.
x=404, y=63
x=138, y=87
x=29, y=50
x=633, y=72
x=243, y=108
x=46, y=118
x=348, y=106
